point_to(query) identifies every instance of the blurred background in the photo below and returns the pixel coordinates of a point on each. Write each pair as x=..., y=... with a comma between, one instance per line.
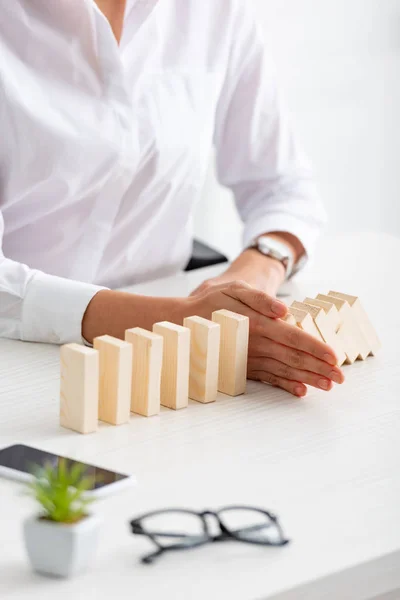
x=339, y=66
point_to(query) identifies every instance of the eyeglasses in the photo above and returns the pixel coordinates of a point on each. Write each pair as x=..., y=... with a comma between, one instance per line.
x=180, y=529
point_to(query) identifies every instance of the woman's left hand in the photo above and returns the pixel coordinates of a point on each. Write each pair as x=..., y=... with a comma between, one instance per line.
x=259, y=271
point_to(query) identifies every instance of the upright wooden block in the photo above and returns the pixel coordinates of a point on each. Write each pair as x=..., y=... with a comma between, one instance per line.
x=79, y=390
x=305, y=321
x=114, y=380
x=175, y=364
x=354, y=343
x=362, y=319
x=233, y=354
x=204, y=358
x=326, y=328
x=147, y=359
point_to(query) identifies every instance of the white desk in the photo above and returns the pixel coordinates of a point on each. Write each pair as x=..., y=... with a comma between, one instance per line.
x=329, y=466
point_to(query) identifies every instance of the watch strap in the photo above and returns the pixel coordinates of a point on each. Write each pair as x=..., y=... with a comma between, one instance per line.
x=269, y=246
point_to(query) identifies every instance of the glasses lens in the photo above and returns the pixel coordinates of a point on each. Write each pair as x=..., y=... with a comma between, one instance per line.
x=175, y=528
x=251, y=525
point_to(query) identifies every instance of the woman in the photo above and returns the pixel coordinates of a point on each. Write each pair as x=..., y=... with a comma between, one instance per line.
x=109, y=111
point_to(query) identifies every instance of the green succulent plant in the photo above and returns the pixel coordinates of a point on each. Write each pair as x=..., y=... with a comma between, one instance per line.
x=60, y=491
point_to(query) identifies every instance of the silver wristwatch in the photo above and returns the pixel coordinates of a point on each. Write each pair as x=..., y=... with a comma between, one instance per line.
x=272, y=247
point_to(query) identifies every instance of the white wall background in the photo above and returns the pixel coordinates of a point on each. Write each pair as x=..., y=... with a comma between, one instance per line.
x=339, y=64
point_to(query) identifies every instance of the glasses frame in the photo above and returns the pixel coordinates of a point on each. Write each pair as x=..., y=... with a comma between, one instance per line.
x=188, y=542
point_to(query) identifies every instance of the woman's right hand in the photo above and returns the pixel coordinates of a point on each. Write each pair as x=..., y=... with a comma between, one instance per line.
x=279, y=353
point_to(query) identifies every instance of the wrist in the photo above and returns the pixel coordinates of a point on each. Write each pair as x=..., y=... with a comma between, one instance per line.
x=267, y=264
x=91, y=326
x=293, y=243
x=256, y=268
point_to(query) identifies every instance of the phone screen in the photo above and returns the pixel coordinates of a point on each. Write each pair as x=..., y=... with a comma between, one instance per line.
x=27, y=459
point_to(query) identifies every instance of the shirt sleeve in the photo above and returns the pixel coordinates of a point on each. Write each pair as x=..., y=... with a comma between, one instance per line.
x=258, y=156
x=36, y=307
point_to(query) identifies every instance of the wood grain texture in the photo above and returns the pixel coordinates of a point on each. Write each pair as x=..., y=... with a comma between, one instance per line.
x=362, y=319
x=79, y=388
x=349, y=332
x=330, y=310
x=175, y=365
x=146, y=371
x=115, y=374
x=327, y=328
x=305, y=321
x=204, y=358
x=326, y=465
x=234, y=344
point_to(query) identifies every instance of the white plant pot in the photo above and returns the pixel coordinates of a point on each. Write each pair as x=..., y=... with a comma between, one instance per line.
x=58, y=549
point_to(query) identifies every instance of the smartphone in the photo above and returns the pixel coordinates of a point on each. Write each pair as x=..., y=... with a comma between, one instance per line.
x=18, y=462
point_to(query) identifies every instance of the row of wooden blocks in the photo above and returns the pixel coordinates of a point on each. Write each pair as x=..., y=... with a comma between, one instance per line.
x=339, y=320
x=164, y=367
x=173, y=363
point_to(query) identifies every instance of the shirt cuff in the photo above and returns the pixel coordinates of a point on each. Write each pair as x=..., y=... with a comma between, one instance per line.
x=307, y=233
x=54, y=308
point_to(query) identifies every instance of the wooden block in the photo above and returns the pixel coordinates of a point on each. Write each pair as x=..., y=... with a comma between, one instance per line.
x=362, y=319
x=204, y=358
x=290, y=319
x=233, y=353
x=79, y=393
x=354, y=343
x=175, y=364
x=305, y=321
x=115, y=364
x=314, y=311
x=327, y=326
x=147, y=359
x=330, y=310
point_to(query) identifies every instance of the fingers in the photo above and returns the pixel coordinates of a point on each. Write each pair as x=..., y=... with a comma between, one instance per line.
x=263, y=312
x=255, y=299
x=296, y=338
x=296, y=388
x=261, y=347
x=286, y=372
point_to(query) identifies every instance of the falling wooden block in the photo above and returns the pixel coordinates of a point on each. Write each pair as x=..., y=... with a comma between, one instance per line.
x=327, y=328
x=362, y=319
x=175, y=364
x=147, y=356
x=305, y=321
x=330, y=310
x=290, y=319
x=204, y=359
x=353, y=341
x=233, y=352
x=79, y=393
x=115, y=364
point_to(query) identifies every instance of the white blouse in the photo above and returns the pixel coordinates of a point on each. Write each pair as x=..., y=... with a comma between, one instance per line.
x=104, y=149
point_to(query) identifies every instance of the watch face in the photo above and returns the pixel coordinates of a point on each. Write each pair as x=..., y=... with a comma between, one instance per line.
x=264, y=247
x=271, y=247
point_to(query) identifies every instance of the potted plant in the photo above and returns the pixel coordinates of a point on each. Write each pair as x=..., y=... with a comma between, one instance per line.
x=61, y=540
